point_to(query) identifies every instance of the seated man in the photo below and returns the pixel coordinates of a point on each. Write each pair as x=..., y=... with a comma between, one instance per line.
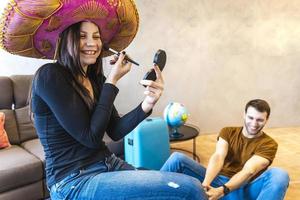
x=238, y=168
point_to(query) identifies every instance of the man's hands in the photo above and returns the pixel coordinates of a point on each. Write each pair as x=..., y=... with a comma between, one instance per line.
x=213, y=193
x=153, y=90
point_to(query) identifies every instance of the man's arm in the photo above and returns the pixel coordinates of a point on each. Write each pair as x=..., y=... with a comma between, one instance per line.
x=253, y=166
x=216, y=162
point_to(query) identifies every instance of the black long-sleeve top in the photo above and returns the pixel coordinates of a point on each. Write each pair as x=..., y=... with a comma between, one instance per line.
x=71, y=135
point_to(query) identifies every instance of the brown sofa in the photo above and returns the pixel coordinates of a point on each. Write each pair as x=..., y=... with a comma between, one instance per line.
x=22, y=173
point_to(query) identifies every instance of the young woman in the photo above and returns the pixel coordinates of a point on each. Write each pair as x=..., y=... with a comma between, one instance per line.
x=73, y=107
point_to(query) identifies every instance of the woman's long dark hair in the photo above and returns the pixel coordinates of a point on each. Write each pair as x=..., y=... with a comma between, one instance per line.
x=69, y=41
x=70, y=62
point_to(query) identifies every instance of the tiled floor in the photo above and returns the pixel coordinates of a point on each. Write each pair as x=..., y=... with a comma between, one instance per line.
x=288, y=154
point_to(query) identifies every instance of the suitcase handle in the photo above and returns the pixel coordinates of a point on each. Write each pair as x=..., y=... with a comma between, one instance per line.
x=130, y=141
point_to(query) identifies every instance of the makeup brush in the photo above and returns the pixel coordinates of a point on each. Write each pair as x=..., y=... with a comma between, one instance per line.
x=105, y=47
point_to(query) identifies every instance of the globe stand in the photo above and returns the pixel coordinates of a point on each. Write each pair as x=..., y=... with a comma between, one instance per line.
x=175, y=134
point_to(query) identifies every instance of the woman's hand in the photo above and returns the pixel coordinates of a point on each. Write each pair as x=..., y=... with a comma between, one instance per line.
x=119, y=69
x=154, y=90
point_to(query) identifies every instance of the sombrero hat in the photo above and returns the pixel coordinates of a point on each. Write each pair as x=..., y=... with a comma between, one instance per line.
x=31, y=28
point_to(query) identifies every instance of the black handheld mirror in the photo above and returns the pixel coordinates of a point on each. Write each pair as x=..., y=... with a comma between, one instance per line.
x=160, y=59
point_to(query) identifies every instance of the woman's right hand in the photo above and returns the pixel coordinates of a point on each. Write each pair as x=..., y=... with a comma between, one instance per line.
x=119, y=69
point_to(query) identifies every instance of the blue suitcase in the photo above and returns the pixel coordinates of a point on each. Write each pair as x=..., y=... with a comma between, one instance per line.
x=148, y=146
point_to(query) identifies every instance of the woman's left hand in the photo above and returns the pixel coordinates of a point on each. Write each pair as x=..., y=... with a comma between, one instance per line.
x=154, y=90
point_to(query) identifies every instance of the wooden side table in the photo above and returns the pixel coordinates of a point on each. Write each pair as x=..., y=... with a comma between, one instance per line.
x=189, y=132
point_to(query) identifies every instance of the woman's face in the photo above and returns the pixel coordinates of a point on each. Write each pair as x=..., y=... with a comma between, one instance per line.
x=90, y=43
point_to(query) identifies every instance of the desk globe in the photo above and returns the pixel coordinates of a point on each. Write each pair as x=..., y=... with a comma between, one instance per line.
x=175, y=114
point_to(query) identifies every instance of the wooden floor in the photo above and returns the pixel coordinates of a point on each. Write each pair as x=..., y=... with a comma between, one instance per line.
x=287, y=157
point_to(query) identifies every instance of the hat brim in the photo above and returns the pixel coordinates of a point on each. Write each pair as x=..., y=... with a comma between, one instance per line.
x=32, y=29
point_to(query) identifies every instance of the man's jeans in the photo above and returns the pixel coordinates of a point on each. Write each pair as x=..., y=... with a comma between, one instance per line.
x=271, y=184
x=115, y=179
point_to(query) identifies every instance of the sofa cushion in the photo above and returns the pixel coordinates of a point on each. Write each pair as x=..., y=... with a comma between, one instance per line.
x=31, y=191
x=4, y=142
x=18, y=168
x=25, y=125
x=11, y=126
x=21, y=85
x=6, y=91
x=35, y=147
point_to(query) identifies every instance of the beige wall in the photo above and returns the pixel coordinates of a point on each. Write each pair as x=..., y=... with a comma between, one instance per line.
x=221, y=53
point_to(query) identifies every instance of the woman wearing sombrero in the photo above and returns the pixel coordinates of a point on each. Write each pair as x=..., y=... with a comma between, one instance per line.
x=72, y=101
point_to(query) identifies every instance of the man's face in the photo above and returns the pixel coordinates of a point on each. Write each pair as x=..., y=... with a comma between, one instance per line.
x=254, y=121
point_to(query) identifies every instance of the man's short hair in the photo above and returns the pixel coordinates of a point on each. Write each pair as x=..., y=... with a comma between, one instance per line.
x=260, y=105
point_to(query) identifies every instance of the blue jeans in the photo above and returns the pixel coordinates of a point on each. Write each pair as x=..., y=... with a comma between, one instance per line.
x=115, y=179
x=271, y=184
